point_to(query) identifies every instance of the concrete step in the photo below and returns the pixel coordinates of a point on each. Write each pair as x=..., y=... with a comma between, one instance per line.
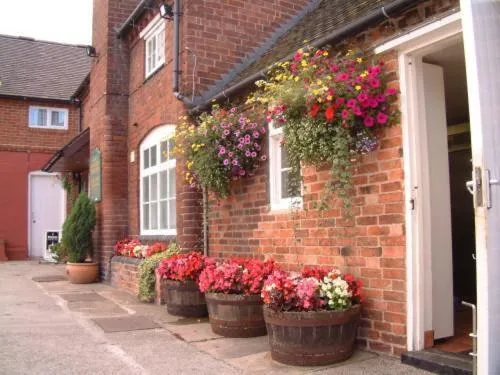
x=439, y=362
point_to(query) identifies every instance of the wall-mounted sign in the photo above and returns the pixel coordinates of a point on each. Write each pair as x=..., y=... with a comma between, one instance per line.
x=51, y=238
x=95, y=175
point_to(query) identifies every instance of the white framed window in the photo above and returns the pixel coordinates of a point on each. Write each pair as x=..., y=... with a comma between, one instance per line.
x=279, y=173
x=154, y=38
x=157, y=183
x=48, y=118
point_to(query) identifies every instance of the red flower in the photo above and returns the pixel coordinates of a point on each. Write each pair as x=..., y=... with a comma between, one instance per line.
x=313, y=112
x=330, y=113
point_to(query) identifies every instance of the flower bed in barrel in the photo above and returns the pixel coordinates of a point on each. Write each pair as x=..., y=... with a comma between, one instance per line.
x=312, y=317
x=232, y=290
x=180, y=274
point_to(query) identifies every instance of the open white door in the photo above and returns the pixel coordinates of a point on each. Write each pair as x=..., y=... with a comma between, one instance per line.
x=481, y=31
x=437, y=239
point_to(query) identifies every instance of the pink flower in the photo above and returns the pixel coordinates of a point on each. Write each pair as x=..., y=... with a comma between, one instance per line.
x=373, y=103
x=391, y=91
x=369, y=121
x=380, y=98
x=342, y=77
x=226, y=161
x=339, y=102
x=357, y=111
x=374, y=82
x=362, y=97
x=345, y=114
x=263, y=158
x=351, y=103
x=382, y=118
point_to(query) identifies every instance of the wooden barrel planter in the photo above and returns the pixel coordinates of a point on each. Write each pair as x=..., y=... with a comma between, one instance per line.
x=312, y=338
x=236, y=315
x=185, y=299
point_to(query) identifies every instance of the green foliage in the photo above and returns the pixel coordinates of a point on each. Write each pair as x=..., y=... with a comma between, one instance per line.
x=309, y=141
x=59, y=252
x=147, y=277
x=77, y=229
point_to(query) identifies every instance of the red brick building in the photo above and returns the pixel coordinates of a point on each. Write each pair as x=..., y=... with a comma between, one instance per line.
x=37, y=116
x=149, y=70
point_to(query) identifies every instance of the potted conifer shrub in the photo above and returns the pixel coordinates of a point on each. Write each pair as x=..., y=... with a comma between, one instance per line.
x=232, y=289
x=312, y=318
x=77, y=240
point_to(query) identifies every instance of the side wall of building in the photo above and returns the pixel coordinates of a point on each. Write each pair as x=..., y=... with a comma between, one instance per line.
x=368, y=242
x=23, y=150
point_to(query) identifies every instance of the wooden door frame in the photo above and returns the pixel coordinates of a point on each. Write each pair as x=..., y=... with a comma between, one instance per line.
x=411, y=47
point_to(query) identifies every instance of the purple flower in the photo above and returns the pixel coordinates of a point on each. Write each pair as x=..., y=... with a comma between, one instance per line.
x=222, y=151
x=240, y=146
x=263, y=158
x=242, y=120
x=247, y=153
x=235, y=162
x=232, y=110
x=242, y=172
x=366, y=144
x=253, y=154
x=256, y=134
x=263, y=130
x=226, y=161
x=230, y=154
x=248, y=141
x=225, y=132
x=241, y=140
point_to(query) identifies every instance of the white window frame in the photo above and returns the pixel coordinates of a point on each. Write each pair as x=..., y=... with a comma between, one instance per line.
x=49, y=116
x=155, y=138
x=275, y=169
x=152, y=32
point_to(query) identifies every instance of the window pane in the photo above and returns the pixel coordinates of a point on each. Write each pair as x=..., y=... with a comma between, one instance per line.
x=146, y=158
x=163, y=185
x=153, y=52
x=154, y=215
x=163, y=214
x=171, y=183
x=154, y=187
x=153, y=154
x=171, y=145
x=145, y=189
x=284, y=184
x=161, y=46
x=285, y=163
x=171, y=214
x=38, y=117
x=57, y=118
x=164, y=151
x=145, y=216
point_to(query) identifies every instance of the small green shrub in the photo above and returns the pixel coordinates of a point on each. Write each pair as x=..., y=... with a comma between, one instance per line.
x=77, y=229
x=59, y=252
x=147, y=277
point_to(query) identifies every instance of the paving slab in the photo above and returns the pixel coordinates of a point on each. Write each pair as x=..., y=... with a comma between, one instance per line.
x=82, y=297
x=49, y=278
x=125, y=323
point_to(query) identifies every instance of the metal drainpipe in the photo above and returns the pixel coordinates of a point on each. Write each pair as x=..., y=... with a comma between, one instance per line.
x=205, y=221
x=176, y=72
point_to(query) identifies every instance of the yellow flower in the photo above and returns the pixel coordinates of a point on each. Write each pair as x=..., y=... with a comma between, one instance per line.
x=363, y=75
x=303, y=63
x=329, y=98
x=325, y=53
x=306, y=54
x=349, y=52
x=358, y=87
x=319, y=82
x=296, y=79
x=316, y=92
x=359, y=60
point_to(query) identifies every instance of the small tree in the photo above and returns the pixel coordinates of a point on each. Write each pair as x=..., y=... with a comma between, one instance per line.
x=77, y=229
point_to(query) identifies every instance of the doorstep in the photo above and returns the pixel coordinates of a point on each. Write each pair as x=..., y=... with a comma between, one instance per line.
x=440, y=362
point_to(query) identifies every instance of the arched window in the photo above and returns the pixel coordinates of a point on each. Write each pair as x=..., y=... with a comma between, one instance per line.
x=157, y=186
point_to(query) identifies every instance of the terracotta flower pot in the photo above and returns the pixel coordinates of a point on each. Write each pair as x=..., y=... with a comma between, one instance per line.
x=82, y=273
x=184, y=299
x=312, y=338
x=236, y=315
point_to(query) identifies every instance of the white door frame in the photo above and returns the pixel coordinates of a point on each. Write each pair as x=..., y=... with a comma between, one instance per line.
x=411, y=47
x=30, y=185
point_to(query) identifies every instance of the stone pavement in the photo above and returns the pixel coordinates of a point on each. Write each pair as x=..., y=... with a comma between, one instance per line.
x=59, y=328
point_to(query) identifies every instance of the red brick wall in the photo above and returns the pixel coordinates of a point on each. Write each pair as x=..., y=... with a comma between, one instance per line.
x=16, y=135
x=22, y=150
x=14, y=170
x=125, y=274
x=107, y=118
x=223, y=33
x=369, y=244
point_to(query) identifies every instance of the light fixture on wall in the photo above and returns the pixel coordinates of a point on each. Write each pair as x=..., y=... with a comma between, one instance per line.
x=91, y=52
x=166, y=11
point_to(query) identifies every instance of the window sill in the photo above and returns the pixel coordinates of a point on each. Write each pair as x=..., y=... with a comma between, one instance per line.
x=286, y=206
x=157, y=237
x=154, y=72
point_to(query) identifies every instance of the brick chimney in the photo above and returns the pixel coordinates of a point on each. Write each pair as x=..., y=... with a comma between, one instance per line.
x=108, y=118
